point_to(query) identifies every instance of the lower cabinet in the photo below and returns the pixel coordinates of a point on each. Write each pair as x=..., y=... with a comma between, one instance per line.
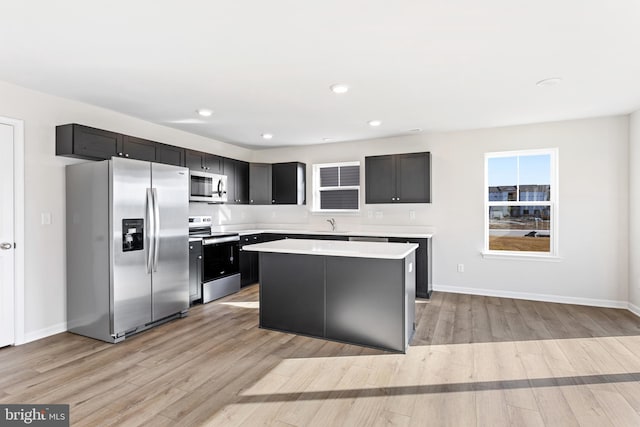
x=249, y=266
x=423, y=264
x=195, y=271
x=249, y=262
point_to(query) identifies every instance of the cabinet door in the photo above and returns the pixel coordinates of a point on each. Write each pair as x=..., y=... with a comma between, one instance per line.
x=195, y=260
x=380, y=179
x=260, y=184
x=170, y=155
x=96, y=143
x=229, y=169
x=288, y=183
x=413, y=178
x=139, y=149
x=213, y=163
x=422, y=264
x=242, y=182
x=194, y=160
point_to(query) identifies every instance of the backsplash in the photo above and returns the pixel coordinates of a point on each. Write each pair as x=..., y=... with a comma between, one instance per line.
x=279, y=217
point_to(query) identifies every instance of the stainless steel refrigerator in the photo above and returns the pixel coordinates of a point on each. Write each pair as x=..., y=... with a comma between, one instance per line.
x=127, y=246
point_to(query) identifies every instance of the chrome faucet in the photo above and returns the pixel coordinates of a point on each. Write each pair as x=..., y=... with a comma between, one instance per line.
x=333, y=224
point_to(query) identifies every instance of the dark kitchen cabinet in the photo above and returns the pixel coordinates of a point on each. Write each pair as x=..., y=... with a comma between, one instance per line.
x=249, y=266
x=84, y=142
x=237, y=173
x=398, y=178
x=288, y=184
x=195, y=271
x=423, y=264
x=170, y=155
x=138, y=148
x=260, y=184
x=205, y=162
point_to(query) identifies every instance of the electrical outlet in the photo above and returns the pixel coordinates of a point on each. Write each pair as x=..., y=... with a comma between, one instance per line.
x=460, y=268
x=412, y=214
x=45, y=218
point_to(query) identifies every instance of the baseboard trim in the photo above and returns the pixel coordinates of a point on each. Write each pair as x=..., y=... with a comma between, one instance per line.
x=634, y=309
x=534, y=297
x=43, y=333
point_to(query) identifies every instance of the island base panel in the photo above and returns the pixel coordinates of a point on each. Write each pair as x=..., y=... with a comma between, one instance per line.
x=292, y=293
x=365, y=301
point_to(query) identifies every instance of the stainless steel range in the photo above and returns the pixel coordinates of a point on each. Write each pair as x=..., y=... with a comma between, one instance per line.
x=220, y=271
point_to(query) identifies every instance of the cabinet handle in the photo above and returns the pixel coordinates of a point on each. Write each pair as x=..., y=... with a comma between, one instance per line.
x=397, y=198
x=126, y=155
x=251, y=201
x=190, y=247
x=393, y=198
x=120, y=154
x=273, y=201
x=199, y=256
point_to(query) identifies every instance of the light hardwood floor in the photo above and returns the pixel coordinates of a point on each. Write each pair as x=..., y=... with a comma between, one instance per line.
x=474, y=361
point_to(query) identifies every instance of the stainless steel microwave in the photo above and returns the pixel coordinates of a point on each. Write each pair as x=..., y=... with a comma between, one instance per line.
x=207, y=187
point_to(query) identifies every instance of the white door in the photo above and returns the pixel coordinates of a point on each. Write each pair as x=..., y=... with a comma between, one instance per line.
x=7, y=252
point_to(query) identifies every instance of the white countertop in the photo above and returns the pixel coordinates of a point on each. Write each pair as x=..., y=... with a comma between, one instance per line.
x=378, y=233
x=336, y=248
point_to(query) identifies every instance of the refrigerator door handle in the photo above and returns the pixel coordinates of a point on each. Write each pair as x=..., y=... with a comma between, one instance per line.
x=150, y=229
x=156, y=225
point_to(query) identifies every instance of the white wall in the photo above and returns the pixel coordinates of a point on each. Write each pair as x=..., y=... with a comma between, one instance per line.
x=634, y=212
x=45, y=280
x=593, y=207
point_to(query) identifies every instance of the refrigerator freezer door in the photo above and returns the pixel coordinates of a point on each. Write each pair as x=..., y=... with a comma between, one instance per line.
x=130, y=281
x=170, y=282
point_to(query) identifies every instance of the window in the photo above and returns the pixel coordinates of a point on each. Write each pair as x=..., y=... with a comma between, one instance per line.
x=521, y=202
x=336, y=187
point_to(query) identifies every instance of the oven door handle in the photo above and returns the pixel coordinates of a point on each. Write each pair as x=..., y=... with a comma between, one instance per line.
x=220, y=240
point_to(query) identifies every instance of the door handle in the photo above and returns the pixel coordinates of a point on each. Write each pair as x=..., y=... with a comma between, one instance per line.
x=6, y=246
x=156, y=223
x=150, y=229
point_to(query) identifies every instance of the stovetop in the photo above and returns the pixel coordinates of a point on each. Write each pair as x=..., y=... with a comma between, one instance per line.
x=200, y=228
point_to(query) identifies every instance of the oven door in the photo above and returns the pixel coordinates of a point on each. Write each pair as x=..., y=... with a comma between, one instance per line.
x=220, y=257
x=201, y=187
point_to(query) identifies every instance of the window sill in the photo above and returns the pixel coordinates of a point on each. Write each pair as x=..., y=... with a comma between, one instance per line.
x=337, y=213
x=514, y=256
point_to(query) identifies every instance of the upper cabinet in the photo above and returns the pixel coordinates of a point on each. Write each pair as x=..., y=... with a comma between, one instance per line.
x=170, y=155
x=398, y=178
x=205, y=162
x=256, y=184
x=88, y=143
x=260, y=184
x=84, y=142
x=237, y=173
x=288, y=183
x=138, y=148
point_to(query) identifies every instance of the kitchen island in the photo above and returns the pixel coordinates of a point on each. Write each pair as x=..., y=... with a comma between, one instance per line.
x=356, y=292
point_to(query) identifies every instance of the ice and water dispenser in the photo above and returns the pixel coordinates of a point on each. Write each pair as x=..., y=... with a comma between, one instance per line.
x=132, y=234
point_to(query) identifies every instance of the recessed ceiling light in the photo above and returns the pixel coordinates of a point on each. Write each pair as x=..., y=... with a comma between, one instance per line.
x=267, y=136
x=549, y=82
x=415, y=130
x=328, y=139
x=339, y=88
x=204, y=112
x=375, y=123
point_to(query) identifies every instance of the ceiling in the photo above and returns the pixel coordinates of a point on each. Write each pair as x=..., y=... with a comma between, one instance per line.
x=266, y=66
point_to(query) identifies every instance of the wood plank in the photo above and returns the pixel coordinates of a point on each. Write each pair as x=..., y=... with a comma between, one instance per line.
x=474, y=361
